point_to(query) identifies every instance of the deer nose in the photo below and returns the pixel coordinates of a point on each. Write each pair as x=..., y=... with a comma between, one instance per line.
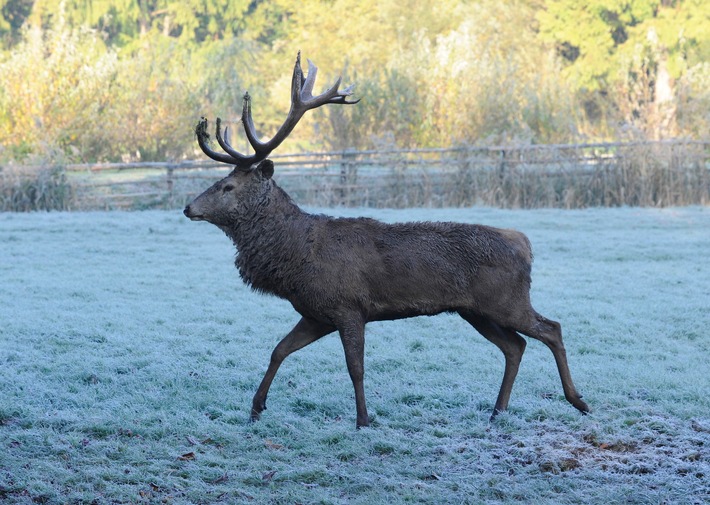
x=186, y=211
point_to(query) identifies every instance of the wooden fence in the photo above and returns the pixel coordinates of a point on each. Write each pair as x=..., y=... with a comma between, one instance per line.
x=663, y=173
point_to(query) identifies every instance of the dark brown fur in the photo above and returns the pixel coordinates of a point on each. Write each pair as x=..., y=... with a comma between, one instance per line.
x=340, y=274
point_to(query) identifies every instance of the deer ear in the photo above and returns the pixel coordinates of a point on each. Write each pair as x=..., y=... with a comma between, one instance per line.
x=266, y=169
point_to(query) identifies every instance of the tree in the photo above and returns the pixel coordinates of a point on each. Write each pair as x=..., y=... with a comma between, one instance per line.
x=12, y=16
x=493, y=81
x=587, y=35
x=53, y=86
x=629, y=52
x=123, y=21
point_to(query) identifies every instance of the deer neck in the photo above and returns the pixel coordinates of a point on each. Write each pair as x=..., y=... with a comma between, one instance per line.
x=271, y=242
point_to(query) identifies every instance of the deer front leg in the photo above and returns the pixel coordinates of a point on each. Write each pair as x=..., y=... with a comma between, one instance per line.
x=352, y=335
x=305, y=332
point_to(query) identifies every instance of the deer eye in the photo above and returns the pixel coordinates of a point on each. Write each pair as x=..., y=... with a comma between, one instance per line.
x=227, y=188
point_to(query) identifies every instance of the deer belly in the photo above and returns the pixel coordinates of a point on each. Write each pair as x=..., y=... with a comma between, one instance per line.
x=402, y=300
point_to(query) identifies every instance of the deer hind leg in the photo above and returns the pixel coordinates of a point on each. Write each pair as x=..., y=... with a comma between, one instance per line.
x=510, y=343
x=550, y=333
x=305, y=332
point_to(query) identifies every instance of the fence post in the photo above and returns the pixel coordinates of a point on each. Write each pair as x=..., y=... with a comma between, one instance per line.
x=502, y=164
x=348, y=175
x=170, y=182
x=502, y=197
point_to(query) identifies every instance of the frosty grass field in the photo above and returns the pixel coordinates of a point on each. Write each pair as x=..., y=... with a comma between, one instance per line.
x=130, y=350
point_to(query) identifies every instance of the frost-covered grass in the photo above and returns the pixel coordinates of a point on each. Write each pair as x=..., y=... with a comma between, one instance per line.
x=130, y=350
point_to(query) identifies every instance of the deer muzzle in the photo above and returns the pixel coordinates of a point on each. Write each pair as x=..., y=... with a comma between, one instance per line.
x=192, y=214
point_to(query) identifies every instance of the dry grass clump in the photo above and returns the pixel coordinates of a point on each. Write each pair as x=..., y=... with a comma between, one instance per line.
x=24, y=189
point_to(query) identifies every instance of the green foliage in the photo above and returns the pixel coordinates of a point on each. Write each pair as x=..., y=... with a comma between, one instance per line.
x=206, y=19
x=386, y=116
x=480, y=85
x=630, y=53
x=588, y=34
x=12, y=15
x=154, y=106
x=65, y=95
x=54, y=85
x=694, y=101
x=122, y=21
x=125, y=79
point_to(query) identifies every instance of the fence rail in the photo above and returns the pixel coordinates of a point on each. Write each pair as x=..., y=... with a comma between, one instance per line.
x=659, y=173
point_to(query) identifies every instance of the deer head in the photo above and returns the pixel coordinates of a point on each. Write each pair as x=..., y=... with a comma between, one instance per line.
x=252, y=173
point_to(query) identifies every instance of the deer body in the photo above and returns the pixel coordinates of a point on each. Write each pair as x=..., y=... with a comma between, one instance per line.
x=339, y=274
x=386, y=271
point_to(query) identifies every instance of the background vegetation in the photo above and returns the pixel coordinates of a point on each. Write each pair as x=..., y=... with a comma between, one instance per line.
x=126, y=80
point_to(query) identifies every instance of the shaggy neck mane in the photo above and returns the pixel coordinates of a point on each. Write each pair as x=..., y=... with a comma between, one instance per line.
x=271, y=240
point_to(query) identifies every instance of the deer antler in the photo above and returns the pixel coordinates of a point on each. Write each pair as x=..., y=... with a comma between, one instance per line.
x=302, y=100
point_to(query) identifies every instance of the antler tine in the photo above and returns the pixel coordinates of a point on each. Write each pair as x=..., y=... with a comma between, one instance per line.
x=203, y=139
x=239, y=158
x=298, y=81
x=332, y=95
x=344, y=94
x=248, y=123
x=227, y=135
x=302, y=100
x=307, y=87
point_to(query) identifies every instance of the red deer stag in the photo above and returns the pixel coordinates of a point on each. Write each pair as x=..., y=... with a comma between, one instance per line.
x=339, y=274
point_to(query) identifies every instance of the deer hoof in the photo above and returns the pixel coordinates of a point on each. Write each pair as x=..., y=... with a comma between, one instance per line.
x=362, y=423
x=581, y=406
x=494, y=414
x=256, y=410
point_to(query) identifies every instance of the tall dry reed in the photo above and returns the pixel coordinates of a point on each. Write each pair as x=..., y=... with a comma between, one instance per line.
x=24, y=189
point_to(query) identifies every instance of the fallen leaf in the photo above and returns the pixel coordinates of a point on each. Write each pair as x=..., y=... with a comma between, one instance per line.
x=568, y=464
x=219, y=480
x=191, y=440
x=699, y=427
x=693, y=456
x=188, y=456
x=272, y=445
x=549, y=467
x=209, y=441
x=268, y=476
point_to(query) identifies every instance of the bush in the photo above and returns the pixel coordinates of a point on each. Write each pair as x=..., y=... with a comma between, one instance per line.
x=30, y=189
x=55, y=86
x=694, y=101
x=65, y=94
